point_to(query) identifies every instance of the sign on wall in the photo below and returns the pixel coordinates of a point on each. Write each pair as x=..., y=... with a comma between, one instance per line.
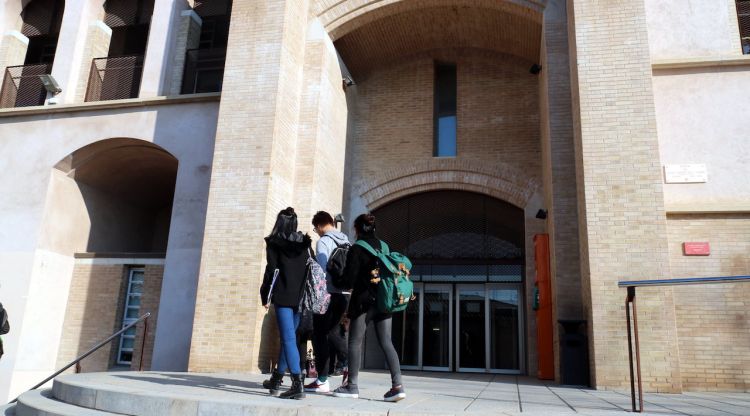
x=686, y=173
x=696, y=248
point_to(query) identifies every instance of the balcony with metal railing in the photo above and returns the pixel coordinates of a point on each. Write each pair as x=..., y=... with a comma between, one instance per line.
x=204, y=70
x=23, y=87
x=115, y=78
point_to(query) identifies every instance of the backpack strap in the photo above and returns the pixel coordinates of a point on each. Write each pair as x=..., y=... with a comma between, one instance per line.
x=381, y=254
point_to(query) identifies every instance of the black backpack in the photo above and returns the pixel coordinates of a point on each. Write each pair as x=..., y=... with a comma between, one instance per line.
x=4, y=325
x=337, y=260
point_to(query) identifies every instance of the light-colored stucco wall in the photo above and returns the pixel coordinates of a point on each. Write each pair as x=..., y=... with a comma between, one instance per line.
x=701, y=117
x=692, y=28
x=36, y=278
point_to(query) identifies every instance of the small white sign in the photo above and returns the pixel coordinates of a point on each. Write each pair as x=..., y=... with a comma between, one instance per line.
x=688, y=173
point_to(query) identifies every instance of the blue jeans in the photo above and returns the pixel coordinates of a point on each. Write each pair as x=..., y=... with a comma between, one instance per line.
x=288, y=320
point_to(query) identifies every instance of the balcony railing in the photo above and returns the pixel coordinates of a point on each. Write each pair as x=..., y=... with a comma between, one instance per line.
x=115, y=78
x=22, y=86
x=204, y=70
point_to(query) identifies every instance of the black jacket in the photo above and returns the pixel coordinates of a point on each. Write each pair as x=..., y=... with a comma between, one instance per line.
x=290, y=257
x=357, y=274
x=4, y=325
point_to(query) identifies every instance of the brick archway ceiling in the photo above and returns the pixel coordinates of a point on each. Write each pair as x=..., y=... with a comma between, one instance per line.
x=135, y=171
x=398, y=36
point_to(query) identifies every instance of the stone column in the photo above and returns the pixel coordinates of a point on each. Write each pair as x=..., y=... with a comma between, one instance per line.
x=319, y=182
x=162, y=35
x=97, y=46
x=188, y=36
x=559, y=170
x=620, y=191
x=252, y=179
x=12, y=49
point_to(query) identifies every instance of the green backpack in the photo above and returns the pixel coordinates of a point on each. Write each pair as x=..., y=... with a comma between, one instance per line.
x=395, y=289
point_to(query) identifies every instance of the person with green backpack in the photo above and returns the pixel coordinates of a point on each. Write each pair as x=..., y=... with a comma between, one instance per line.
x=380, y=286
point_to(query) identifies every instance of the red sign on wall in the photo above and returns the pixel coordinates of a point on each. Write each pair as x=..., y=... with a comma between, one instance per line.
x=696, y=248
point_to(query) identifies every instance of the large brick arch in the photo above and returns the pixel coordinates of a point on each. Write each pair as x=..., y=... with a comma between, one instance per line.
x=340, y=17
x=500, y=181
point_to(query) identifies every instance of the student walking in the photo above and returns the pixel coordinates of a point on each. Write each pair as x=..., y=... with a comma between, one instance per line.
x=4, y=327
x=328, y=341
x=361, y=275
x=287, y=251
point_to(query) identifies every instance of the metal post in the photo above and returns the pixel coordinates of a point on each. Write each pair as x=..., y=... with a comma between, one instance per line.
x=628, y=299
x=637, y=352
x=143, y=343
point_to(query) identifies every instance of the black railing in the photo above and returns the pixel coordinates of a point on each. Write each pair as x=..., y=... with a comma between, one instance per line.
x=97, y=347
x=115, y=78
x=204, y=70
x=630, y=301
x=22, y=86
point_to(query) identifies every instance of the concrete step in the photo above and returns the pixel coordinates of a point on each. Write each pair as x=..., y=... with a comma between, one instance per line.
x=8, y=410
x=41, y=403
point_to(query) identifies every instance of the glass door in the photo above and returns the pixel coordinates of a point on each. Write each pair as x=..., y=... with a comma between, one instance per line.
x=407, y=327
x=471, y=345
x=437, y=324
x=504, y=328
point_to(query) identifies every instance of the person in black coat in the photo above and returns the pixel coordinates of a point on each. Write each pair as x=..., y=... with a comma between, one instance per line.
x=4, y=327
x=360, y=274
x=287, y=252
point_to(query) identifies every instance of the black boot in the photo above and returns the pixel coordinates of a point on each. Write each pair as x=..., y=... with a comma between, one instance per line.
x=297, y=391
x=273, y=383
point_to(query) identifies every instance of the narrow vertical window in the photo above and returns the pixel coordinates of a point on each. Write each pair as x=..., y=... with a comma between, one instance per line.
x=743, y=18
x=130, y=315
x=445, y=110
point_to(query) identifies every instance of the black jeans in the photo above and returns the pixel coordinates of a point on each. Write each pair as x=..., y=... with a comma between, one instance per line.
x=357, y=329
x=328, y=339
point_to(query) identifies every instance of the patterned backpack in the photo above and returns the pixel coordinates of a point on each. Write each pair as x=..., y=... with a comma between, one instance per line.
x=315, y=296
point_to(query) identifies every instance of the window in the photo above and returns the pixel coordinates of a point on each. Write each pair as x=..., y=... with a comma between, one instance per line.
x=743, y=18
x=445, y=110
x=130, y=315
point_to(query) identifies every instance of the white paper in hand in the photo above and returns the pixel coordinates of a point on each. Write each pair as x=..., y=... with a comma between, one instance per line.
x=273, y=283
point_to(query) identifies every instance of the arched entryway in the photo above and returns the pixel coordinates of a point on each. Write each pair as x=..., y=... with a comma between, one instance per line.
x=469, y=267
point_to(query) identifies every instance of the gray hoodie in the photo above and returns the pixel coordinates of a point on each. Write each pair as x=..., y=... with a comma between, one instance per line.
x=326, y=244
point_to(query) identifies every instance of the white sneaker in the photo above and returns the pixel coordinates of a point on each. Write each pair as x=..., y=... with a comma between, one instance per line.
x=318, y=387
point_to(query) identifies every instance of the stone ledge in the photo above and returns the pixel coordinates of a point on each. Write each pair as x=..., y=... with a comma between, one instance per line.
x=702, y=62
x=108, y=105
x=707, y=208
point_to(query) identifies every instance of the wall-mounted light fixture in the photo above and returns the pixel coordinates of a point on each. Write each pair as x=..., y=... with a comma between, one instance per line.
x=50, y=84
x=542, y=214
x=347, y=81
x=339, y=219
x=535, y=69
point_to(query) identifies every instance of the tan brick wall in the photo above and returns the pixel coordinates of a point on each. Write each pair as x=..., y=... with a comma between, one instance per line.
x=621, y=201
x=252, y=179
x=12, y=50
x=713, y=321
x=95, y=311
x=188, y=36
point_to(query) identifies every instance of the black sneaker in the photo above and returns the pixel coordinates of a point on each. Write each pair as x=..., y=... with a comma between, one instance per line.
x=395, y=394
x=347, y=390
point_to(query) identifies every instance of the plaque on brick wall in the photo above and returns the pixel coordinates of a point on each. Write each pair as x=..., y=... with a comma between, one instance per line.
x=686, y=173
x=696, y=248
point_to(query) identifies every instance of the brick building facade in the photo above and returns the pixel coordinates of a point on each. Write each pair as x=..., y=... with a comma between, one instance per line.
x=181, y=128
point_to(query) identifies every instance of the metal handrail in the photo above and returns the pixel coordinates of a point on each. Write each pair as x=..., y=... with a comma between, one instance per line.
x=93, y=350
x=630, y=300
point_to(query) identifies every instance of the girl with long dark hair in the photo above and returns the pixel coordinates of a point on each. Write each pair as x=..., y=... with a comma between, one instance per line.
x=287, y=251
x=358, y=275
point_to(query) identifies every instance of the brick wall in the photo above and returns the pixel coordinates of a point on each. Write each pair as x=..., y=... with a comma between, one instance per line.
x=713, y=321
x=95, y=311
x=620, y=191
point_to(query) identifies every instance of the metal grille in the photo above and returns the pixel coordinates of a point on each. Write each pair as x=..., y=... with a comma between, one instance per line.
x=120, y=13
x=453, y=225
x=22, y=86
x=205, y=8
x=42, y=17
x=204, y=70
x=743, y=18
x=115, y=78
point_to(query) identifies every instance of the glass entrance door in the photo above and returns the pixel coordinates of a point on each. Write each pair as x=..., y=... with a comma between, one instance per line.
x=471, y=328
x=422, y=333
